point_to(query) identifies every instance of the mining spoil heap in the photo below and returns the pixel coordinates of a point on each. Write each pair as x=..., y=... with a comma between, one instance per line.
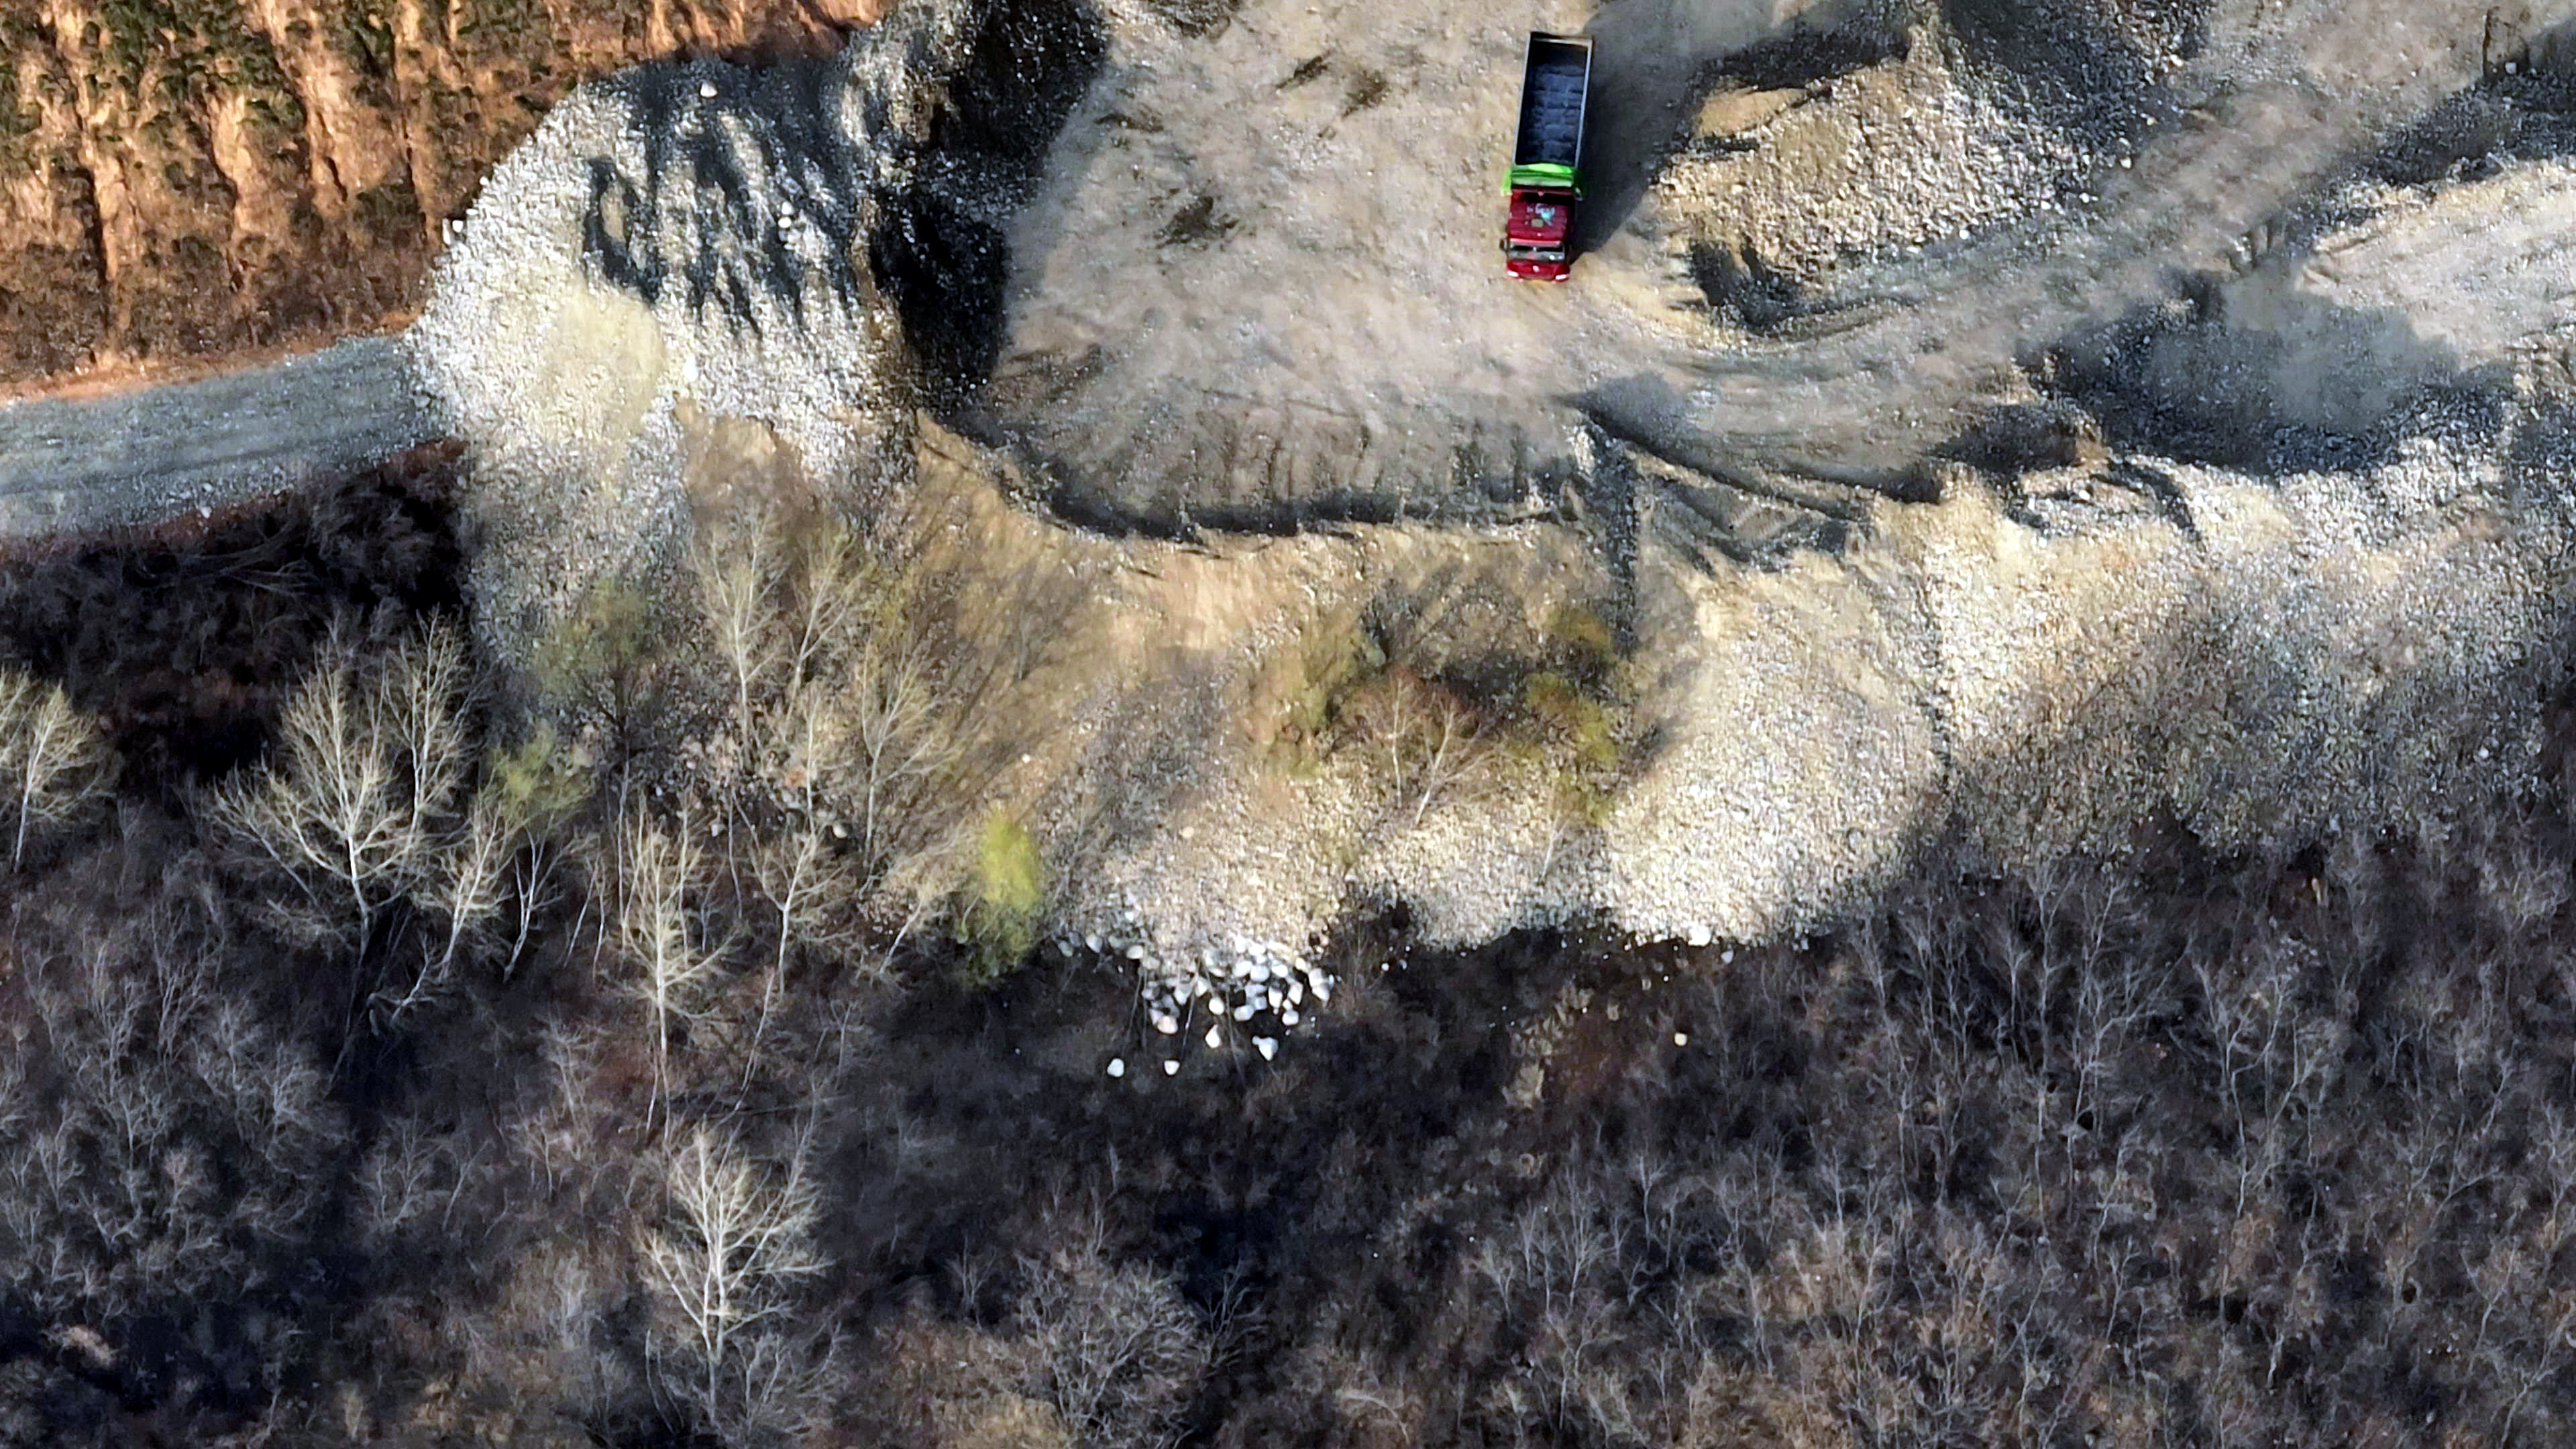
x=1170, y=337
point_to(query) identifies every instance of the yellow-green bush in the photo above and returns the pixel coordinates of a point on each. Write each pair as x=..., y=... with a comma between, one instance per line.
x=1581, y=737
x=997, y=922
x=537, y=780
x=1584, y=637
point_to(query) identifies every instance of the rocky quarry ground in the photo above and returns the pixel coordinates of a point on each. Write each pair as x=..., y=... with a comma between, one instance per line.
x=2013, y=424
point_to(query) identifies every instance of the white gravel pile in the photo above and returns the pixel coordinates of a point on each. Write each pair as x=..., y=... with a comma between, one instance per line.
x=672, y=244
x=1879, y=163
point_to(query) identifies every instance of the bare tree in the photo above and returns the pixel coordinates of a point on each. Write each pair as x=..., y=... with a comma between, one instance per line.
x=736, y=569
x=842, y=720
x=896, y=734
x=659, y=929
x=1118, y=1347
x=467, y=881
x=400, y=1180
x=53, y=759
x=735, y=1238
x=369, y=761
x=1448, y=750
x=176, y=1137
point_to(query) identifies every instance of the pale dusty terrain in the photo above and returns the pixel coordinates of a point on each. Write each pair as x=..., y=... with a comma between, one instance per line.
x=2272, y=545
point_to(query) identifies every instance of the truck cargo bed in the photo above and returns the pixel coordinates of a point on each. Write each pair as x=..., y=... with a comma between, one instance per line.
x=1555, y=80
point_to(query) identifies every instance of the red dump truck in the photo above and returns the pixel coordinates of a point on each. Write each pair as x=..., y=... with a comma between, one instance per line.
x=1556, y=79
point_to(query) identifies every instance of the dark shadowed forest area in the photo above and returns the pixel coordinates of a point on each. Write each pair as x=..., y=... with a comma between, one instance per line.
x=384, y=1068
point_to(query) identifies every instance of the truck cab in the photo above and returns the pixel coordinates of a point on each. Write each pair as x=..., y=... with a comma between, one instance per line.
x=1534, y=236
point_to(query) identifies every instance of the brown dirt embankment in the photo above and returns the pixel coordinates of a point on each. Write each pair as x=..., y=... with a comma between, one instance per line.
x=182, y=178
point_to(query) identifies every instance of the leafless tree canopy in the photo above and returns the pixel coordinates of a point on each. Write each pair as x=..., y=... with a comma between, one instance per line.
x=839, y=730
x=445, y=1071
x=158, y=1142
x=370, y=757
x=53, y=759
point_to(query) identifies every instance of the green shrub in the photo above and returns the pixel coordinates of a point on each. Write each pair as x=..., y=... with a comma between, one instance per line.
x=1582, y=740
x=997, y=923
x=1582, y=725
x=1336, y=659
x=603, y=669
x=539, y=780
x=1584, y=638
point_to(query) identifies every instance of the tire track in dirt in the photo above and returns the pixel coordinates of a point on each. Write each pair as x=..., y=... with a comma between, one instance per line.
x=1867, y=400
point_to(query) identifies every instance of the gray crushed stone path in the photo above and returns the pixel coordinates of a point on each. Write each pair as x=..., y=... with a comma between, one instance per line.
x=79, y=465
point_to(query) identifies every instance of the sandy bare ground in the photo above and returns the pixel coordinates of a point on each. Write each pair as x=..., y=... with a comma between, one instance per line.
x=1263, y=266
x=1238, y=288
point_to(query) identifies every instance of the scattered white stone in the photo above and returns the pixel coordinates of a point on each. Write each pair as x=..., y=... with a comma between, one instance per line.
x=1243, y=1012
x=1288, y=1016
x=1681, y=1038
x=1171, y=1068
x=1136, y=952
x=706, y=90
x=1168, y=1026
x=1699, y=935
x=1268, y=1047
x=1117, y=1066
x=1215, y=1037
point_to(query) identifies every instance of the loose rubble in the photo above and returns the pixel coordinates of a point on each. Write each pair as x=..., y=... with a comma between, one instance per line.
x=1255, y=985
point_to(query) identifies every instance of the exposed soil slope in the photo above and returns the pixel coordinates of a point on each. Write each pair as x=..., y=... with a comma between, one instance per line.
x=186, y=177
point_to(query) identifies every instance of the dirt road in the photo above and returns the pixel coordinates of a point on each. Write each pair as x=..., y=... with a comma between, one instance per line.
x=70, y=465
